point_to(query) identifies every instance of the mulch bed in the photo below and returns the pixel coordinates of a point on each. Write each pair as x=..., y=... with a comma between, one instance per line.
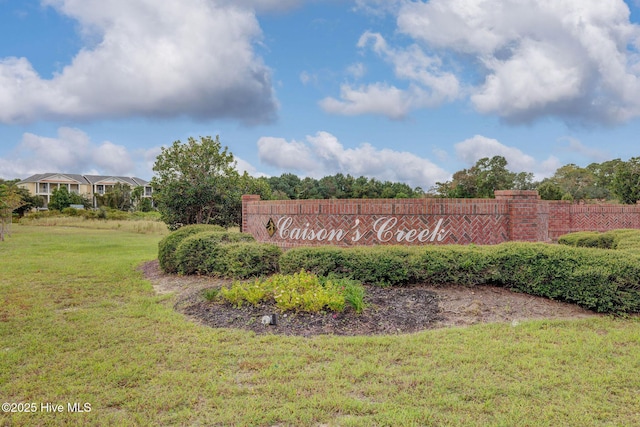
x=388, y=311
x=392, y=310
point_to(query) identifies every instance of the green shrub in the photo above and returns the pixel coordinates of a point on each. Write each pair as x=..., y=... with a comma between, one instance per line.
x=90, y=214
x=211, y=294
x=392, y=265
x=604, y=281
x=242, y=260
x=303, y=291
x=71, y=212
x=321, y=260
x=627, y=240
x=201, y=253
x=377, y=265
x=146, y=216
x=115, y=214
x=101, y=213
x=589, y=239
x=455, y=264
x=601, y=280
x=168, y=245
x=42, y=214
x=353, y=294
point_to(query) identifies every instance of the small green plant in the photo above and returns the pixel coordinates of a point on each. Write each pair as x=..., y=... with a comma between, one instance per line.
x=301, y=291
x=211, y=294
x=354, y=294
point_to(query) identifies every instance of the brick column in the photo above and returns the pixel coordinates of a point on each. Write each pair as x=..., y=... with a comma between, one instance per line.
x=246, y=198
x=526, y=220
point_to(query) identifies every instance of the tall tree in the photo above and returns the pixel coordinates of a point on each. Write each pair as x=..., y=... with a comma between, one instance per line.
x=194, y=182
x=549, y=190
x=246, y=184
x=577, y=182
x=285, y=184
x=61, y=198
x=119, y=197
x=626, y=183
x=482, y=179
x=10, y=200
x=604, y=174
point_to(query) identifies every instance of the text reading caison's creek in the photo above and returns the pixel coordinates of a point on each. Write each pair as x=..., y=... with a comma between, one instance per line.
x=385, y=229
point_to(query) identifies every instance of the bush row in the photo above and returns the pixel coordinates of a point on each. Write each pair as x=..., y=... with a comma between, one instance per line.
x=168, y=245
x=604, y=281
x=624, y=240
x=209, y=250
x=589, y=239
x=100, y=213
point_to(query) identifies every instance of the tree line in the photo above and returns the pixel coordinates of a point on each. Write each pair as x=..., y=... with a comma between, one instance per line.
x=197, y=182
x=612, y=181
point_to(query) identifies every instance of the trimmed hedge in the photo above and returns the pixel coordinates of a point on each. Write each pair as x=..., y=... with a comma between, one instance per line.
x=604, y=281
x=392, y=265
x=589, y=239
x=221, y=253
x=168, y=245
x=624, y=240
x=198, y=253
x=242, y=260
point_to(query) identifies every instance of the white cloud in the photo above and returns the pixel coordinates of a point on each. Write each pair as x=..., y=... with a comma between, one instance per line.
x=307, y=78
x=286, y=155
x=72, y=151
x=357, y=70
x=428, y=86
x=69, y=149
x=323, y=154
x=243, y=166
x=113, y=158
x=473, y=149
x=265, y=5
x=378, y=7
x=376, y=98
x=523, y=59
x=148, y=58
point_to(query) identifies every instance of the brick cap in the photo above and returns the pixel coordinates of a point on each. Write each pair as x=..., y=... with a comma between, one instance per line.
x=516, y=194
x=250, y=197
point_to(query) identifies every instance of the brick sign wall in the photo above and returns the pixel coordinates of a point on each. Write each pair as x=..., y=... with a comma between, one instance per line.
x=513, y=215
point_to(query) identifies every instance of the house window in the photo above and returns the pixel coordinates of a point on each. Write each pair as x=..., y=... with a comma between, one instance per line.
x=147, y=191
x=100, y=189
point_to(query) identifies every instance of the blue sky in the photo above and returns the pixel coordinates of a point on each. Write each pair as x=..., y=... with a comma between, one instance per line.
x=398, y=90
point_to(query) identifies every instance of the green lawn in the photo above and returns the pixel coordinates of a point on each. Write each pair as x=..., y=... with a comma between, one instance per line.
x=78, y=323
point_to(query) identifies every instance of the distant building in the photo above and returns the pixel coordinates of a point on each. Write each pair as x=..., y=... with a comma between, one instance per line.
x=86, y=185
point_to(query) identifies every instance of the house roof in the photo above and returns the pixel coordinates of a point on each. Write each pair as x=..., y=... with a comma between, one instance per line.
x=56, y=177
x=140, y=181
x=85, y=179
x=109, y=179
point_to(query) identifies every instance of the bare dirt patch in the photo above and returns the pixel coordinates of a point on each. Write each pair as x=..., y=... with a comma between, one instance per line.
x=391, y=310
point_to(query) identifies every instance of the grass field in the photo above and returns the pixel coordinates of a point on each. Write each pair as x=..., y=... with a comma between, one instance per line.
x=79, y=324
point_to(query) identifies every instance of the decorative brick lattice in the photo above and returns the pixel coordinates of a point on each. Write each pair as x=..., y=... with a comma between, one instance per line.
x=566, y=217
x=512, y=215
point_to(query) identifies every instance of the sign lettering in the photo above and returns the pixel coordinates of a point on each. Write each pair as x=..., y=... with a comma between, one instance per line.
x=385, y=229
